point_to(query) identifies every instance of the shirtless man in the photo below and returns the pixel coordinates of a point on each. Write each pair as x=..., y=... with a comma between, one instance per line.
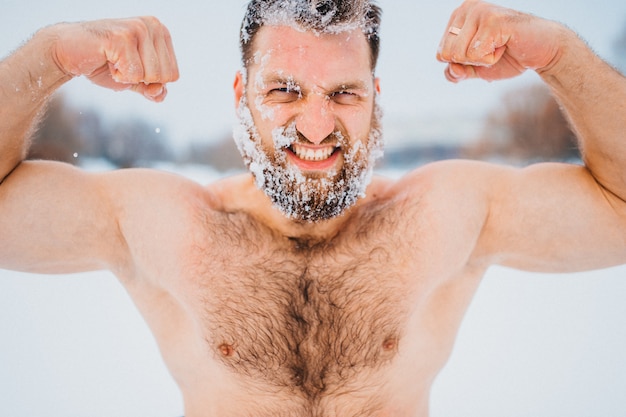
x=309, y=287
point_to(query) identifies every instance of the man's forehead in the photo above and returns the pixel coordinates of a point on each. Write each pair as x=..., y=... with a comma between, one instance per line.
x=282, y=52
x=292, y=39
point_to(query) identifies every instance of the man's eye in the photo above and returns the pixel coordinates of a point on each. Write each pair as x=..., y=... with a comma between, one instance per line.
x=344, y=97
x=283, y=94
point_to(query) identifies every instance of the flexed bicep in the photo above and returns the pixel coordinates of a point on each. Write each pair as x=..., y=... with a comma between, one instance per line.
x=55, y=218
x=552, y=218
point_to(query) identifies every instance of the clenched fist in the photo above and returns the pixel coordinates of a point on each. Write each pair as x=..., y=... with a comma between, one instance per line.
x=486, y=41
x=134, y=54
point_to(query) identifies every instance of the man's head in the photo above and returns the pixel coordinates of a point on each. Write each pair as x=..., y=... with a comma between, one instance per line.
x=310, y=123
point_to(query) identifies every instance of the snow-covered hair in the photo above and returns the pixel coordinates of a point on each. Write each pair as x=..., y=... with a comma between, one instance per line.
x=319, y=16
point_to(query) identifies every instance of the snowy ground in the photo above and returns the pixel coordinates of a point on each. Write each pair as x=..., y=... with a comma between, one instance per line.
x=531, y=345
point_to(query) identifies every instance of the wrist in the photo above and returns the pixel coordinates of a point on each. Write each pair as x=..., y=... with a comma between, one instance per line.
x=48, y=41
x=571, y=53
x=30, y=74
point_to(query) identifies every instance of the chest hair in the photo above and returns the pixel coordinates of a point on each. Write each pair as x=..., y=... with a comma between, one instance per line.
x=308, y=317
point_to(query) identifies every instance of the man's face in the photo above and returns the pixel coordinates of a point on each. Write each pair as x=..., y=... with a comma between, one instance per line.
x=310, y=128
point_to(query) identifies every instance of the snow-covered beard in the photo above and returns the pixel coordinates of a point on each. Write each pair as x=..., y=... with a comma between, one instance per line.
x=308, y=197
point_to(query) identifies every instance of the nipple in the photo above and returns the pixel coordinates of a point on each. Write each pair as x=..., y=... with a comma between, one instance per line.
x=227, y=351
x=390, y=344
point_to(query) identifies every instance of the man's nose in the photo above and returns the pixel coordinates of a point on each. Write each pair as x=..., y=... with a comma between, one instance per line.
x=316, y=121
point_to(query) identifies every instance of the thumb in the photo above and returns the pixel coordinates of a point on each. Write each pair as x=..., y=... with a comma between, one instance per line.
x=458, y=72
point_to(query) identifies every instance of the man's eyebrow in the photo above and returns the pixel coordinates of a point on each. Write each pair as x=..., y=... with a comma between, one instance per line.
x=279, y=79
x=291, y=82
x=352, y=85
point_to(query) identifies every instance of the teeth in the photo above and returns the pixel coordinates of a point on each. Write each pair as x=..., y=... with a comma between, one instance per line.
x=309, y=154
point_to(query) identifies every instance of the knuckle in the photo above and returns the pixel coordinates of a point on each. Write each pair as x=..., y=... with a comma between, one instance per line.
x=138, y=27
x=175, y=75
x=475, y=53
x=166, y=35
x=446, y=56
x=152, y=25
x=122, y=35
x=492, y=19
x=457, y=57
x=152, y=21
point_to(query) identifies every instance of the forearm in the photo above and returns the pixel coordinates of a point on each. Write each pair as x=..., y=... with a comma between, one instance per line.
x=29, y=76
x=593, y=97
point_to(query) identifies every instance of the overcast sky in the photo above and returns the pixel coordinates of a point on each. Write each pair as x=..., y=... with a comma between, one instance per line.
x=205, y=34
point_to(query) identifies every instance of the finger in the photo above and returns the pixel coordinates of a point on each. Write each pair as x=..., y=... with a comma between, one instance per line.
x=451, y=34
x=154, y=92
x=133, y=55
x=475, y=39
x=151, y=63
x=487, y=46
x=492, y=56
x=459, y=44
x=148, y=39
x=506, y=68
x=456, y=33
x=125, y=62
x=458, y=72
x=169, y=64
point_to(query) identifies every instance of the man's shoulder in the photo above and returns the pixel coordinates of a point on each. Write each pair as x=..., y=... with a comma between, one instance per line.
x=146, y=190
x=451, y=173
x=451, y=183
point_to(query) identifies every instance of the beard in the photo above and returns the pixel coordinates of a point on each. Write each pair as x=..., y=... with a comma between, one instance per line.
x=308, y=197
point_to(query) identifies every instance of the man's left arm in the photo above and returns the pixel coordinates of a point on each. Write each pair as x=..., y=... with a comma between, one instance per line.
x=593, y=97
x=496, y=43
x=549, y=217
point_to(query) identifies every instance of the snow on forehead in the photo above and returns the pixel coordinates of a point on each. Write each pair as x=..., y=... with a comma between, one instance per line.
x=321, y=16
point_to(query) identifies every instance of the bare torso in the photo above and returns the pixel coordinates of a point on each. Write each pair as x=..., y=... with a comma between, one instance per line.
x=253, y=322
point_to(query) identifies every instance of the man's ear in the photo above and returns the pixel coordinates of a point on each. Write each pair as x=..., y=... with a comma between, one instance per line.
x=377, y=85
x=238, y=87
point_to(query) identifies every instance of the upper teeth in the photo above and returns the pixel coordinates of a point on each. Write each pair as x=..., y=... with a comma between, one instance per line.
x=309, y=154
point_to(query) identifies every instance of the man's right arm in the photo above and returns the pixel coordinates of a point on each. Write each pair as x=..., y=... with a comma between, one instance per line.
x=125, y=54
x=53, y=217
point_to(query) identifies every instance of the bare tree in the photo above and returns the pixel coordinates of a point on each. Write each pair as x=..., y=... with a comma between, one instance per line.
x=221, y=155
x=57, y=137
x=67, y=134
x=134, y=142
x=528, y=125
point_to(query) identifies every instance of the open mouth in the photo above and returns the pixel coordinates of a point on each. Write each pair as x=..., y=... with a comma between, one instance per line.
x=313, y=154
x=313, y=158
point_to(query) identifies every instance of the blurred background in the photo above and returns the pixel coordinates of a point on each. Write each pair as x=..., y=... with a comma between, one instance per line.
x=426, y=117
x=532, y=344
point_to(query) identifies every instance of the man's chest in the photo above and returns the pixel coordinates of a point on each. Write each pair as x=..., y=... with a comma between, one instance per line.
x=307, y=317
x=313, y=321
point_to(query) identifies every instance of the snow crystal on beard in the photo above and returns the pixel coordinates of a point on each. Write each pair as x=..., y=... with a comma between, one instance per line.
x=306, y=197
